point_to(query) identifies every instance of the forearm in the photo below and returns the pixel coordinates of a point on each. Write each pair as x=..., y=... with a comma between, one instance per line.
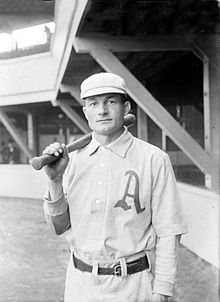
x=55, y=188
x=166, y=264
x=56, y=209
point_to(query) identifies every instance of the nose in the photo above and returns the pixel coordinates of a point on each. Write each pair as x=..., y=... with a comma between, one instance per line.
x=102, y=109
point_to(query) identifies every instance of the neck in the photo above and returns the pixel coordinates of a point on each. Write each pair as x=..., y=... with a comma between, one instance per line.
x=105, y=140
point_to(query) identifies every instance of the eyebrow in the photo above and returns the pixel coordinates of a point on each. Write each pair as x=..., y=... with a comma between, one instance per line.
x=89, y=99
x=94, y=98
x=111, y=96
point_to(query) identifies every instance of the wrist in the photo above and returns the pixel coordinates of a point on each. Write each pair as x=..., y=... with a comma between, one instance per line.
x=163, y=288
x=55, y=180
x=55, y=187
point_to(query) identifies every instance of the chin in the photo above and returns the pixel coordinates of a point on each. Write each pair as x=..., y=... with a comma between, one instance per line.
x=104, y=131
x=108, y=130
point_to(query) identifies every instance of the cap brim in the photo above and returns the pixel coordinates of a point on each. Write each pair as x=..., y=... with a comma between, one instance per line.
x=101, y=90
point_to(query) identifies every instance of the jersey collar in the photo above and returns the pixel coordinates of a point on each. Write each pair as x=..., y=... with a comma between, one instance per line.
x=120, y=146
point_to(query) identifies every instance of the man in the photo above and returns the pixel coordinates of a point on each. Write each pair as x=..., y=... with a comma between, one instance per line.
x=4, y=153
x=14, y=153
x=121, y=206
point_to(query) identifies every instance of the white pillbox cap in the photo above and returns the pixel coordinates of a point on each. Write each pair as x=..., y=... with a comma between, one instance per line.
x=100, y=83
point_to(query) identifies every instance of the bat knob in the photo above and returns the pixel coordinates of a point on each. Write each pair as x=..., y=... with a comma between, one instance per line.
x=41, y=161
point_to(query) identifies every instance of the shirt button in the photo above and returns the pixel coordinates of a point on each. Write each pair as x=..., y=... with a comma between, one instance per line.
x=99, y=182
x=97, y=201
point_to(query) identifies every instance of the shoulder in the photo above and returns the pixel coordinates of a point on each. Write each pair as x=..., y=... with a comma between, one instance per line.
x=78, y=155
x=149, y=149
x=73, y=155
x=152, y=155
x=72, y=165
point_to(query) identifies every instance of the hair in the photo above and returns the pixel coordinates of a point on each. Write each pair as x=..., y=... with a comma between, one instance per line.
x=124, y=98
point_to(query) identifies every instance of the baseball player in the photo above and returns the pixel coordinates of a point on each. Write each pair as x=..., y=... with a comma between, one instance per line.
x=117, y=202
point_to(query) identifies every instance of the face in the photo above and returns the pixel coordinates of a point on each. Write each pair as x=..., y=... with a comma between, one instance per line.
x=105, y=113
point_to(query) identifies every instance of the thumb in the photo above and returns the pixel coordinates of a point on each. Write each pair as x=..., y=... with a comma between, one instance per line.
x=65, y=152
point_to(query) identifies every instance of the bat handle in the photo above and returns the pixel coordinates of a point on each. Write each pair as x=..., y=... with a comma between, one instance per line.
x=39, y=162
x=43, y=160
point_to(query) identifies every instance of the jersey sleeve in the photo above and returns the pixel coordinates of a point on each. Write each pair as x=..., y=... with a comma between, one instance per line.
x=167, y=213
x=57, y=214
x=57, y=211
x=166, y=264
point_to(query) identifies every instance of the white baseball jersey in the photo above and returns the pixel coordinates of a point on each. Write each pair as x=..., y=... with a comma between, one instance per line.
x=122, y=199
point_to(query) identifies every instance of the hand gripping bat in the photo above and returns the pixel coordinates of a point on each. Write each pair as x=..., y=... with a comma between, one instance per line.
x=43, y=160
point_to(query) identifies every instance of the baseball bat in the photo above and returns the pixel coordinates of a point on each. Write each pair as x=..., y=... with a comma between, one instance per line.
x=40, y=161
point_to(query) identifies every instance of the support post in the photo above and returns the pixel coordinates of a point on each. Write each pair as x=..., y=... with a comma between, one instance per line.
x=206, y=105
x=31, y=133
x=209, y=46
x=206, y=113
x=142, y=124
x=164, y=140
x=214, y=75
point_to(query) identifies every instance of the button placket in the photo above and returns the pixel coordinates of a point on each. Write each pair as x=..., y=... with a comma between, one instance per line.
x=98, y=203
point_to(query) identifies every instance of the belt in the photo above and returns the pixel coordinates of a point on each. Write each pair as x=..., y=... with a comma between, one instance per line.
x=133, y=267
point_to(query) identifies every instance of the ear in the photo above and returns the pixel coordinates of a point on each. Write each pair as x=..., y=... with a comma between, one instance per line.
x=84, y=111
x=127, y=107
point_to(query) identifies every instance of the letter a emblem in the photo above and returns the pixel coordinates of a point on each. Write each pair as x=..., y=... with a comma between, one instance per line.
x=122, y=202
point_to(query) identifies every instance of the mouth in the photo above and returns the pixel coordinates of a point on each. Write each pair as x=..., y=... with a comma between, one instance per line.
x=104, y=121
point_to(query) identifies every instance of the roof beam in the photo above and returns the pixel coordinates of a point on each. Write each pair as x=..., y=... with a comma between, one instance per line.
x=130, y=43
x=80, y=13
x=154, y=109
x=27, y=98
x=78, y=9
x=202, y=49
x=75, y=118
x=73, y=90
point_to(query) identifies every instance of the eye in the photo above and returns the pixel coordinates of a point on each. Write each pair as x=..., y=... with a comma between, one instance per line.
x=112, y=101
x=92, y=104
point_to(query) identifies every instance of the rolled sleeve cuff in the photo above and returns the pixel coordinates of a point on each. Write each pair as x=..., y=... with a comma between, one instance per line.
x=176, y=229
x=163, y=288
x=55, y=207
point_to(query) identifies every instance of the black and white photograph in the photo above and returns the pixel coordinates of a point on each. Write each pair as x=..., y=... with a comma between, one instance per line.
x=109, y=150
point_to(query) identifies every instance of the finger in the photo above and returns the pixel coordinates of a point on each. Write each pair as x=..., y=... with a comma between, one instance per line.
x=56, y=145
x=52, y=150
x=59, y=147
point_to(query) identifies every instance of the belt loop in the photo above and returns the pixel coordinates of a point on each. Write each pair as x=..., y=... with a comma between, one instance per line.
x=94, y=274
x=72, y=258
x=123, y=267
x=147, y=253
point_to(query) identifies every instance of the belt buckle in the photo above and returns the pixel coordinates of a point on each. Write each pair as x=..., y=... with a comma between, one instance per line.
x=117, y=270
